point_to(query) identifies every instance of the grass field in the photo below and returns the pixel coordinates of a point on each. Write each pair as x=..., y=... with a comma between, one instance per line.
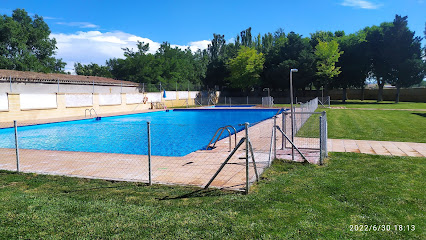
x=292, y=200
x=402, y=126
x=370, y=104
x=381, y=105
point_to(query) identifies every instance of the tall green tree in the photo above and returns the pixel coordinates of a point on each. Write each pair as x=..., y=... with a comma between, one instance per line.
x=287, y=52
x=246, y=39
x=403, y=54
x=327, y=54
x=379, y=68
x=245, y=68
x=354, y=63
x=217, y=72
x=25, y=44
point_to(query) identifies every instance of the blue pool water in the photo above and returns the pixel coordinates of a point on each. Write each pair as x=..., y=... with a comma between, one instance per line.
x=173, y=133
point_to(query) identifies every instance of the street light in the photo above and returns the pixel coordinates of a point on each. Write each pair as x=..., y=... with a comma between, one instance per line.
x=292, y=111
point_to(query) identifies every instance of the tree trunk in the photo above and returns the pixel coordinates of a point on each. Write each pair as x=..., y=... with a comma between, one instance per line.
x=362, y=93
x=398, y=88
x=380, y=94
x=345, y=96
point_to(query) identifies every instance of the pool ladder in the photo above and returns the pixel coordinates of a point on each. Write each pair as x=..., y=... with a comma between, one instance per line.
x=221, y=129
x=90, y=112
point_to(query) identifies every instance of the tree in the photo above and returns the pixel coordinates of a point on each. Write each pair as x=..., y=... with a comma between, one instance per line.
x=379, y=68
x=25, y=44
x=403, y=54
x=354, y=63
x=92, y=69
x=245, y=68
x=327, y=54
x=216, y=71
x=284, y=53
x=246, y=39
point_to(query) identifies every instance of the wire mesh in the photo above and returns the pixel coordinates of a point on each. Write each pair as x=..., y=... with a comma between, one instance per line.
x=324, y=101
x=120, y=151
x=99, y=151
x=7, y=147
x=248, y=100
x=172, y=86
x=308, y=134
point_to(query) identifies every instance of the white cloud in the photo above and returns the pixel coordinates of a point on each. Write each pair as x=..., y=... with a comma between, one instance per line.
x=360, y=4
x=49, y=18
x=194, y=46
x=79, y=24
x=97, y=47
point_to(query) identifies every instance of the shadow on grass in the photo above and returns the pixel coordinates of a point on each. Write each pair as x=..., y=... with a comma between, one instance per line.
x=420, y=114
x=106, y=187
x=201, y=193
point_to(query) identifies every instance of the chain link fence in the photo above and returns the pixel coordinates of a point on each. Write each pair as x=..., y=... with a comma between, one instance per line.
x=233, y=157
x=324, y=101
x=143, y=152
x=150, y=87
x=307, y=139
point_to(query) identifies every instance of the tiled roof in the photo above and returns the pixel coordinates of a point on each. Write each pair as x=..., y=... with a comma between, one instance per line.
x=35, y=77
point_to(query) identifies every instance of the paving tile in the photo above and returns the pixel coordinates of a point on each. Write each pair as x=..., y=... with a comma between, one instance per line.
x=378, y=147
x=393, y=149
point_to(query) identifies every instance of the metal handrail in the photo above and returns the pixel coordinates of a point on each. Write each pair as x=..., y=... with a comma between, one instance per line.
x=90, y=112
x=93, y=111
x=85, y=112
x=278, y=112
x=218, y=137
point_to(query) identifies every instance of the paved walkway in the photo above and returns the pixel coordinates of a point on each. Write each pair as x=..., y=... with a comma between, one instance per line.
x=377, y=147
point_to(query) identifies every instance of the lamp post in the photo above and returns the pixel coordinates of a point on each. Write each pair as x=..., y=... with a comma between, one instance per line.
x=292, y=111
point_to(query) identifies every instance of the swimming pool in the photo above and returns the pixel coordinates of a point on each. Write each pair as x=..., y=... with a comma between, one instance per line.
x=173, y=133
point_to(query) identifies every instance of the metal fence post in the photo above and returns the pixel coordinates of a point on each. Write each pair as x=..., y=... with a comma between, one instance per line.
x=321, y=140
x=292, y=135
x=149, y=154
x=247, y=158
x=15, y=125
x=326, y=134
x=275, y=137
x=283, y=128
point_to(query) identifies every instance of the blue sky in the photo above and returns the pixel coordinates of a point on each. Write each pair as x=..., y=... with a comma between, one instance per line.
x=94, y=31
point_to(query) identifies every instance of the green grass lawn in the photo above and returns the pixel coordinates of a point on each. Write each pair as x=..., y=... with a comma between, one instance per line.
x=402, y=126
x=380, y=105
x=292, y=200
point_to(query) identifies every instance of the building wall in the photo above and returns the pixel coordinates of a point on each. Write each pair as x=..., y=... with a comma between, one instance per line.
x=27, y=107
x=4, y=104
